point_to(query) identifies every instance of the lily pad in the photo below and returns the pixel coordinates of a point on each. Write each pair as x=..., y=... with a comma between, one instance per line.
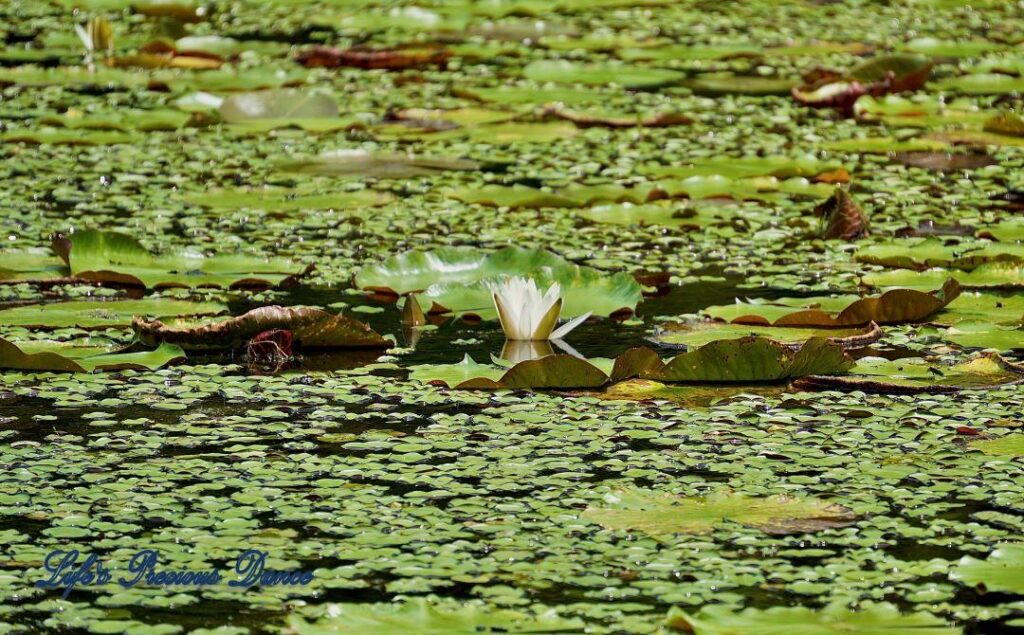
x=915, y=375
x=72, y=358
x=1003, y=338
x=920, y=253
x=118, y=258
x=874, y=619
x=1002, y=571
x=417, y=616
x=285, y=200
x=279, y=107
x=992, y=275
x=565, y=72
x=35, y=265
x=548, y=372
x=782, y=167
x=751, y=359
x=1011, y=445
x=695, y=334
x=896, y=306
x=456, y=280
x=660, y=514
x=92, y=314
x=358, y=163
x=310, y=328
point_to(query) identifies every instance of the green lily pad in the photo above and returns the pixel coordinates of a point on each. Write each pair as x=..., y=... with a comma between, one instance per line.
x=310, y=327
x=285, y=200
x=456, y=280
x=1008, y=445
x=897, y=306
x=695, y=334
x=1002, y=571
x=514, y=96
x=72, y=137
x=1008, y=231
x=34, y=265
x=279, y=108
x=782, y=167
x=417, y=616
x=91, y=314
x=714, y=84
x=565, y=72
x=548, y=372
x=982, y=84
x=660, y=514
x=884, y=145
x=523, y=197
x=915, y=375
x=874, y=619
x=992, y=275
x=934, y=47
x=919, y=253
x=982, y=335
x=73, y=358
x=753, y=359
x=358, y=163
x=118, y=258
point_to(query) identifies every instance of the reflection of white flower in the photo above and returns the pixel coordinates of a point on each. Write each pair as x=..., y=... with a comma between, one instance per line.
x=528, y=314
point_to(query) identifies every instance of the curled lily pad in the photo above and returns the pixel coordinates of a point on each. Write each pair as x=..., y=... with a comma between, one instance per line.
x=660, y=514
x=1002, y=571
x=359, y=163
x=74, y=358
x=750, y=359
x=842, y=218
x=417, y=616
x=876, y=77
x=896, y=306
x=310, y=327
x=118, y=258
x=457, y=279
x=913, y=375
x=92, y=314
x=874, y=619
x=695, y=334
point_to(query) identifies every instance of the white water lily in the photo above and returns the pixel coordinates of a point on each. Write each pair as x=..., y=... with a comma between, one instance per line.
x=528, y=314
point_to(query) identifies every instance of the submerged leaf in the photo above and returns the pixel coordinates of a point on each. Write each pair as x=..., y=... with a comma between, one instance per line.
x=310, y=327
x=660, y=514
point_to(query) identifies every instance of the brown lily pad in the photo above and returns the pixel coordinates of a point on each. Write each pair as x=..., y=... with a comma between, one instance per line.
x=842, y=217
x=310, y=327
x=387, y=59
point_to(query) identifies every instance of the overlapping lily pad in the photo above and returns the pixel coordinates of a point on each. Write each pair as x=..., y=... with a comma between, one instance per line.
x=1002, y=571
x=915, y=375
x=693, y=334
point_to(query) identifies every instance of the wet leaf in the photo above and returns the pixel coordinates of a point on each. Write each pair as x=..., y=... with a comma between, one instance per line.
x=751, y=359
